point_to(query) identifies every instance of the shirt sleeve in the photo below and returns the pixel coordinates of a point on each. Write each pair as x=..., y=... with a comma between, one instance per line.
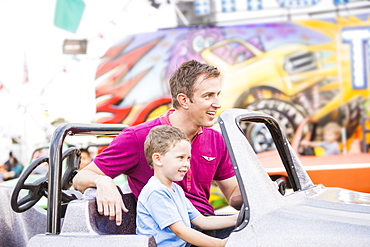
x=17, y=170
x=192, y=211
x=162, y=208
x=330, y=148
x=121, y=156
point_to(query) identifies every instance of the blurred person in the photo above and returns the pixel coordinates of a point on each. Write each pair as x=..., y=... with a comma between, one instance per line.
x=43, y=167
x=330, y=144
x=85, y=158
x=12, y=168
x=1, y=172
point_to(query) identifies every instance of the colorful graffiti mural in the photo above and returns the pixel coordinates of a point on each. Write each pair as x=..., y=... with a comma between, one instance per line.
x=291, y=70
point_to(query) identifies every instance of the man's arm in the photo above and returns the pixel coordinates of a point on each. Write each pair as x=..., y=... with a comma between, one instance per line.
x=108, y=199
x=86, y=177
x=195, y=237
x=231, y=191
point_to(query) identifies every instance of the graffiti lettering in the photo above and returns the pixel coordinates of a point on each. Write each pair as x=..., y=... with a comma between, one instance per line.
x=358, y=38
x=114, y=86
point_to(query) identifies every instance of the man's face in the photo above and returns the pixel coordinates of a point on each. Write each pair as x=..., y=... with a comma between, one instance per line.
x=205, y=102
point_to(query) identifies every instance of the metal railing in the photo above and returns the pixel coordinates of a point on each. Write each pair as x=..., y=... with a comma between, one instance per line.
x=54, y=209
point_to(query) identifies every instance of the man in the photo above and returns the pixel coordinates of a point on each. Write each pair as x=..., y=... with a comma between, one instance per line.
x=194, y=88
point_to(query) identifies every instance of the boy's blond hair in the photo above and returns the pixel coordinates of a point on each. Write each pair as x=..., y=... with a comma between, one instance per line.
x=161, y=139
x=333, y=127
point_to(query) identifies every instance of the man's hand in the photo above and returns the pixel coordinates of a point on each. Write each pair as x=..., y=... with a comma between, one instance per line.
x=108, y=199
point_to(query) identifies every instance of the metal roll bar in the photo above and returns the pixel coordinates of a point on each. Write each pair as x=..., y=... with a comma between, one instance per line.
x=55, y=164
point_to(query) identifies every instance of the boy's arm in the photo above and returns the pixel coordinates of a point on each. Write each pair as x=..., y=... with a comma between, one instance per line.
x=214, y=222
x=310, y=143
x=195, y=237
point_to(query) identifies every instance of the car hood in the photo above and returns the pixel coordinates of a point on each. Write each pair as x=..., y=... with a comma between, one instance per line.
x=347, y=199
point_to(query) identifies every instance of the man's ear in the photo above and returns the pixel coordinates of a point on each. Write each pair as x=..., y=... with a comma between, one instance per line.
x=157, y=159
x=183, y=100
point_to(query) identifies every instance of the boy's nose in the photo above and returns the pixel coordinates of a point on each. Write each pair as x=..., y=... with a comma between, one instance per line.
x=187, y=164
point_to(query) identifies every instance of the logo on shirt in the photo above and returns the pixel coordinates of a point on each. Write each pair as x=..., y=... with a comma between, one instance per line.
x=208, y=158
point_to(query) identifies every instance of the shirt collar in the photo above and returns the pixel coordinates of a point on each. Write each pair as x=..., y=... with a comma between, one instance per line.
x=164, y=119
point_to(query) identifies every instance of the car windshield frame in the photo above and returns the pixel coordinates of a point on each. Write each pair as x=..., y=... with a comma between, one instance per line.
x=230, y=124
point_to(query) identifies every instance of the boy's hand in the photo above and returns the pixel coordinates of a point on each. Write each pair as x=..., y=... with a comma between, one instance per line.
x=304, y=142
x=109, y=200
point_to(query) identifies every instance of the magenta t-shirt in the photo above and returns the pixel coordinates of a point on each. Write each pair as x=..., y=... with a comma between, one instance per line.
x=209, y=161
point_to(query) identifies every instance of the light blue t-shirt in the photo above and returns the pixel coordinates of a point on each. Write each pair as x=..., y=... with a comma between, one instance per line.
x=158, y=208
x=330, y=148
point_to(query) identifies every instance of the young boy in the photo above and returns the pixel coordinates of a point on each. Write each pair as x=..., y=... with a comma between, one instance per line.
x=330, y=144
x=163, y=211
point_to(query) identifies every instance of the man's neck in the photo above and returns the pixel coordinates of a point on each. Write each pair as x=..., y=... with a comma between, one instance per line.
x=178, y=119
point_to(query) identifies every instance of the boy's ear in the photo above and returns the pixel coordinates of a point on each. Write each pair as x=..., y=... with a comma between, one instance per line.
x=157, y=159
x=183, y=100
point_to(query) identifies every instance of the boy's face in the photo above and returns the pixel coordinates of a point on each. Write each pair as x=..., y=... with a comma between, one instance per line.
x=205, y=102
x=330, y=136
x=176, y=162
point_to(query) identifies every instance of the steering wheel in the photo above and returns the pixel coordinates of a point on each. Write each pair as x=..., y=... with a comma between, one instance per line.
x=73, y=156
x=39, y=188
x=36, y=189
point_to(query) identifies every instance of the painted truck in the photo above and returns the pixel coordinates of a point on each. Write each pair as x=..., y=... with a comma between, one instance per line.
x=312, y=68
x=308, y=69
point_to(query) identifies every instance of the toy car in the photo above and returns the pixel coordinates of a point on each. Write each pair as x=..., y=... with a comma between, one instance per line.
x=311, y=215
x=350, y=169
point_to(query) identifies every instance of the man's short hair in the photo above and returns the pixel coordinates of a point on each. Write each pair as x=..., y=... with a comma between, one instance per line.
x=183, y=79
x=161, y=139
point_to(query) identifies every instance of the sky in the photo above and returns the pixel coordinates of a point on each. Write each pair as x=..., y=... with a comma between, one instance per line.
x=59, y=85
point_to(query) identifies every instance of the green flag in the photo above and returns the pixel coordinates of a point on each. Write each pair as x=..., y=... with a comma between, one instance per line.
x=68, y=14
